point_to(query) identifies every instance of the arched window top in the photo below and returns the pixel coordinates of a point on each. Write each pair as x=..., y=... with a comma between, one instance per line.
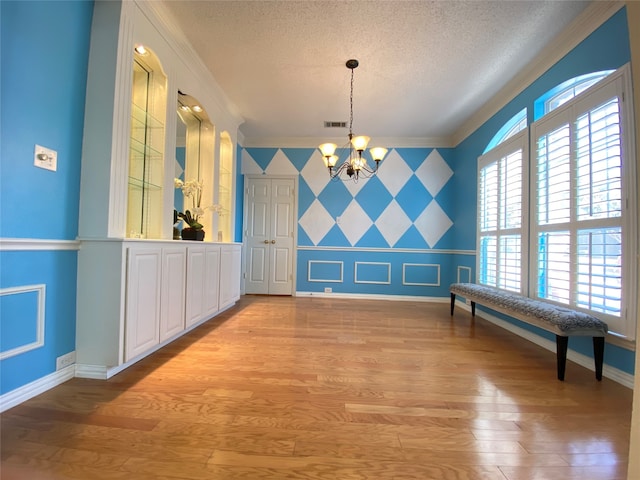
x=564, y=92
x=517, y=123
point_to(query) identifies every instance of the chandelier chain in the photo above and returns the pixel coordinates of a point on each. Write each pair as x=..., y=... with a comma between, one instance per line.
x=351, y=104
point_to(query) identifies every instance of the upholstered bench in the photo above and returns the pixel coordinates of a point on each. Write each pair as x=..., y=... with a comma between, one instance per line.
x=563, y=322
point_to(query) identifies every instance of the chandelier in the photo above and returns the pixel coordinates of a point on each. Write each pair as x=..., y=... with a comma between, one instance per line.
x=355, y=166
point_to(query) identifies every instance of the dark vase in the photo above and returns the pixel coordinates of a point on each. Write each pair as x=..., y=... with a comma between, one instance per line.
x=189, y=233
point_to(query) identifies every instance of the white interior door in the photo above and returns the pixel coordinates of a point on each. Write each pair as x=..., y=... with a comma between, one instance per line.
x=270, y=236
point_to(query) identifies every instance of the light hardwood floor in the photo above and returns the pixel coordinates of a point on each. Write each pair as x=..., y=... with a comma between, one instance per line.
x=314, y=388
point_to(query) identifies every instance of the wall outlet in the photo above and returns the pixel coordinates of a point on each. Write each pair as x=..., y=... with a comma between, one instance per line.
x=65, y=360
x=467, y=301
x=328, y=289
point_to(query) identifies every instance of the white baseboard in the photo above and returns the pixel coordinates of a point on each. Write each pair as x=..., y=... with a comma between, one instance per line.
x=96, y=372
x=24, y=393
x=585, y=361
x=368, y=296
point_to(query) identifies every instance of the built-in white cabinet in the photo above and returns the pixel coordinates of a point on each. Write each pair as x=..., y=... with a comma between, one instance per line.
x=155, y=299
x=230, y=259
x=142, y=300
x=173, y=294
x=137, y=288
x=203, y=272
x=195, y=284
x=211, y=280
x=146, y=294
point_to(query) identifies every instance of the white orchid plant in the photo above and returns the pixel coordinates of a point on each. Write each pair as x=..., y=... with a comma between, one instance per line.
x=193, y=189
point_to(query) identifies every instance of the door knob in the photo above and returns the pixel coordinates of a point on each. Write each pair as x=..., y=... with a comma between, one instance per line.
x=273, y=241
x=266, y=241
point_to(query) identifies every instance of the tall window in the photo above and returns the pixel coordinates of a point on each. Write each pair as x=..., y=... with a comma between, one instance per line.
x=502, y=181
x=568, y=234
x=578, y=227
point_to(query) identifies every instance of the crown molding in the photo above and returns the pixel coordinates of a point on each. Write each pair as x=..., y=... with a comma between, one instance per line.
x=313, y=142
x=584, y=25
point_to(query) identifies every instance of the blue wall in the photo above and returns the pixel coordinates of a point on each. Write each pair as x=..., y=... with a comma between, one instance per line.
x=45, y=49
x=239, y=196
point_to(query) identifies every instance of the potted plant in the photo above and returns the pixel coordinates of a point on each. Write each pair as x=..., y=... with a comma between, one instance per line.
x=193, y=189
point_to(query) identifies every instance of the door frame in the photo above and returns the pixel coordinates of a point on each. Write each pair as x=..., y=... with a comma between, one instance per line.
x=294, y=253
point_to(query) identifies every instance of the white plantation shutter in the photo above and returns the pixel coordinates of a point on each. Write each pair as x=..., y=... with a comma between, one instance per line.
x=501, y=174
x=599, y=169
x=554, y=182
x=577, y=229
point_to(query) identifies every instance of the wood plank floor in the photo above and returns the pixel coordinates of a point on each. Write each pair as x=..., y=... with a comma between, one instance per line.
x=316, y=388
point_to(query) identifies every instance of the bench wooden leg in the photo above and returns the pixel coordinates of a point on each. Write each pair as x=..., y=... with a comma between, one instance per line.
x=473, y=309
x=561, y=354
x=598, y=355
x=453, y=302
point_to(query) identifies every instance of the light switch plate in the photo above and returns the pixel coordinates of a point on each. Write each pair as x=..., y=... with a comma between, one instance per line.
x=45, y=158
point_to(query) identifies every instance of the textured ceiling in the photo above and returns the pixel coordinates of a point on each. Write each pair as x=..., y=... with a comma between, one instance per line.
x=425, y=66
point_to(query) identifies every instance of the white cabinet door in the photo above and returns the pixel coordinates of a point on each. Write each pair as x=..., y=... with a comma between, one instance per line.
x=142, y=300
x=236, y=271
x=195, y=284
x=211, y=280
x=172, y=303
x=230, y=265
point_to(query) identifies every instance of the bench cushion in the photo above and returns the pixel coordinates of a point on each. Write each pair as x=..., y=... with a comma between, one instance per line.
x=560, y=320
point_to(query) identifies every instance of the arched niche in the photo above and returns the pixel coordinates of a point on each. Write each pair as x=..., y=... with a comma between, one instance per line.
x=195, y=147
x=147, y=145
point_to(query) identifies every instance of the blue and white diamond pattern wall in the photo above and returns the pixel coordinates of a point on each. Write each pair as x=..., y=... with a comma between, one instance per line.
x=434, y=172
x=392, y=223
x=401, y=200
x=315, y=173
x=177, y=169
x=413, y=198
x=335, y=197
x=373, y=197
x=316, y=222
x=249, y=166
x=355, y=222
x=281, y=165
x=433, y=223
x=394, y=172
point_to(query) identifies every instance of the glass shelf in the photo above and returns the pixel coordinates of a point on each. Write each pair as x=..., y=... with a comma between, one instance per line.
x=142, y=119
x=142, y=184
x=140, y=151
